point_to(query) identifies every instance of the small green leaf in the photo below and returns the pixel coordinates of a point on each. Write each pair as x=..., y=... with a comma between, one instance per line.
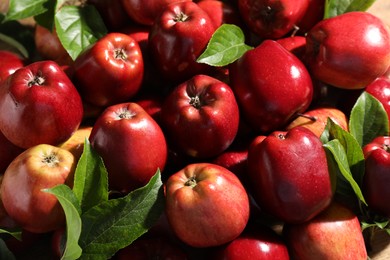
x=24, y=9
x=225, y=46
x=116, y=223
x=72, y=210
x=337, y=7
x=90, y=181
x=15, y=233
x=78, y=27
x=368, y=119
x=5, y=253
x=339, y=156
x=12, y=44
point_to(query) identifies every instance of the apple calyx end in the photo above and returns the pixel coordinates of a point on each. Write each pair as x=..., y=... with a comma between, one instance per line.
x=51, y=160
x=195, y=102
x=36, y=80
x=124, y=114
x=191, y=182
x=386, y=147
x=120, y=54
x=181, y=17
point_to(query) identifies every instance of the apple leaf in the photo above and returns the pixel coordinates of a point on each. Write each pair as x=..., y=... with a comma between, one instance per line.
x=71, y=206
x=337, y=7
x=116, y=223
x=15, y=233
x=368, y=119
x=90, y=181
x=13, y=45
x=78, y=27
x=345, y=181
x=23, y=9
x=5, y=253
x=225, y=46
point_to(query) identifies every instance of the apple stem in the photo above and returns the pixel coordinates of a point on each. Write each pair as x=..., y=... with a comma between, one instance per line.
x=312, y=118
x=191, y=182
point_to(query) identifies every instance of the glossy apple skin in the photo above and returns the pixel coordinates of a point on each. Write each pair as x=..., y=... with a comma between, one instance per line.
x=334, y=234
x=295, y=44
x=272, y=19
x=380, y=89
x=289, y=175
x=146, y=12
x=348, y=51
x=206, y=205
x=177, y=38
x=377, y=174
x=110, y=71
x=314, y=14
x=131, y=144
x=201, y=116
x=10, y=62
x=221, y=12
x=39, y=98
x=40, y=167
x=260, y=242
x=75, y=144
x=276, y=86
x=316, y=119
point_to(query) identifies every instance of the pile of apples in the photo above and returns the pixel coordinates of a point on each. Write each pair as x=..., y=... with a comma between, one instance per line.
x=229, y=100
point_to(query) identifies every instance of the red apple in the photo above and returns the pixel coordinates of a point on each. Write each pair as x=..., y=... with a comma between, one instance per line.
x=200, y=116
x=206, y=205
x=8, y=152
x=333, y=234
x=39, y=167
x=221, y=12
x=272, y=19
x=380, y=89
x=377, y=175
x=314, y=14
x=316, y=119
x=289, y=175
x=9, y=63
x=75, y=144
x=131, y=144
x=110, y=71
x=39, y=104
x=349, y=50
x=276, y=86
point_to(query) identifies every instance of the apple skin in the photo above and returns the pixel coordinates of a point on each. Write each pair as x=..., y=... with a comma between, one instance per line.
x=110, y=71
x=39, y=98
x=8, y=152
x=276, y=87
x=377, y=175
x=334, y=234
x=39, y=167
x=348, y=51
x=272, y=19
x=316, y=119
x=258, y=242
x=289, y=175
x=380, y=89
x=201, y=116
x=314, y=14
x=131, y=144
x=75, y=144
x=295, y=44
x=10, y=62
x=146, y=12
x=221, y=12
x=177, y=38
x=206, y=205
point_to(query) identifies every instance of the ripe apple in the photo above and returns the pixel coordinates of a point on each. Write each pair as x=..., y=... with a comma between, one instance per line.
x=10, y=62
x=8, y=152
x=206, y=205
x=110, y=71
x=75, y=144
x=334, y=234
x=200, y=116
x=272, y=19
x=131, y=144
x=349, y=50
x=221, y=12
x=276, y=86
x=316, y=119
x=314, y=14
x=289, y=175
x=377, y=175
x=295, y=44
x=39, y=104
x=258, y=242
x=177, y=38
x=39, y=167
x=380, y=89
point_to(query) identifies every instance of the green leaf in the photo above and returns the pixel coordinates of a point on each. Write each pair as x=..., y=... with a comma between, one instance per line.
x=339, y=156
x=337, y=7
x=72, y=210
x=90, y=181
x=368, y=119
x=13, y=45
x=78, y=27
x=116, y=223
x=24, y=9
x=225, y=46
x=15, y=233
x=5, y=253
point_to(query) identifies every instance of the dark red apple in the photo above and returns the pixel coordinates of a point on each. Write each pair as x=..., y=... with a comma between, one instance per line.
x=9, y=63
x=380, y=89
